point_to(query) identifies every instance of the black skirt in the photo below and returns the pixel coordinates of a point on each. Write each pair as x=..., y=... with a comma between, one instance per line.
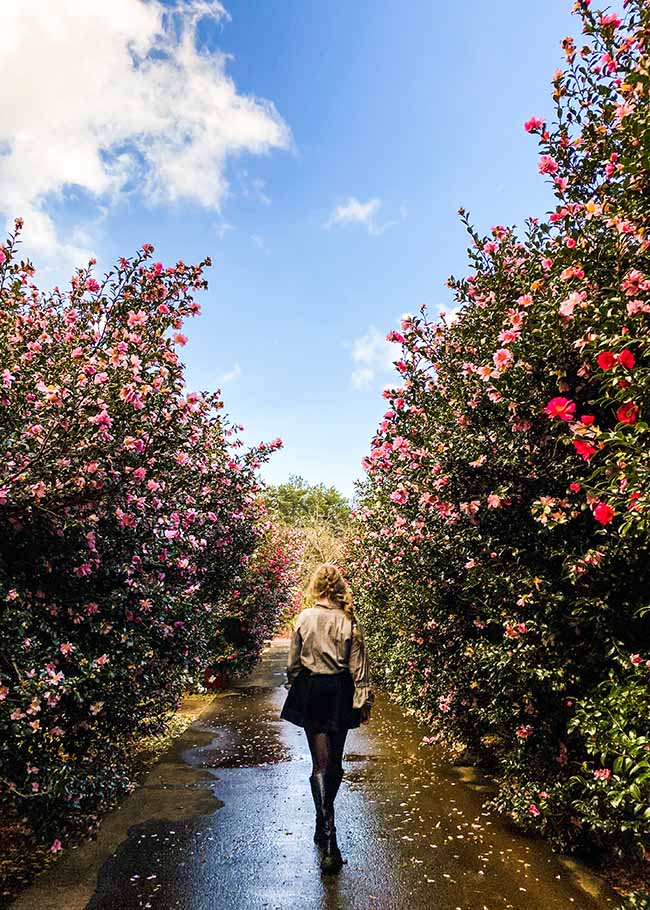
x=322, y=702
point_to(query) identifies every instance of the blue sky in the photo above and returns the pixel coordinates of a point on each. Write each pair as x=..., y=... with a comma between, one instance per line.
x=392, y=115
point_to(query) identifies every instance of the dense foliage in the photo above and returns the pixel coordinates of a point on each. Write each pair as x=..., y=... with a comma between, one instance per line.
x=127, y=513
x=502, y=532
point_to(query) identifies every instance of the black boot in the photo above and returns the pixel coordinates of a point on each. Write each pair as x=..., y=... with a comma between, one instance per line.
x=319, y=832
x=332, y=859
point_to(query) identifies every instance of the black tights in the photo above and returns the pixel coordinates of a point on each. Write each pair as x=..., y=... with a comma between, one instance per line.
x=326, y=750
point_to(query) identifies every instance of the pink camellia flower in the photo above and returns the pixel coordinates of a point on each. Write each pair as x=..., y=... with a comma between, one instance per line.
x=38, y=489
x=562, y=408
x=181, y=339
x=3, y=257
x=502, y=358
x=91, y=285
x=400, y=495
x=603, y=513
x=136, y=319
x=610, y=20
x=621, y=111
x=4, y=691
x=66, y=648
x=524, y=731
x=101, y=420
x=57, y=846
x=636, y=660
x=548, y=165
x=535, y=123
x=568, y=306
x=534, y=811
x=547, y=263
x=602, y=774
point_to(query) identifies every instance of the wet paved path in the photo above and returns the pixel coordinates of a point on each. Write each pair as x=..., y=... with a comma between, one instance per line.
x=412, y=829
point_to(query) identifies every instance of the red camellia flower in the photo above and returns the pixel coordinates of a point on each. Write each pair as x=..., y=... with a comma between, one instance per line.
x=626, y=359
x=627, y=413
x=587, y=419
x=603, y=513
x=606, y=360
x=562, y=408
x=585, y=449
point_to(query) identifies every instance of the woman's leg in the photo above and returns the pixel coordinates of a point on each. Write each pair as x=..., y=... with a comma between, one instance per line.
x=337, y=743
x=326, y=752
x=319, y=747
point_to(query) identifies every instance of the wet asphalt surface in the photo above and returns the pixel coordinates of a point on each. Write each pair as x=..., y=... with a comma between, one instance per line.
x=412, y=828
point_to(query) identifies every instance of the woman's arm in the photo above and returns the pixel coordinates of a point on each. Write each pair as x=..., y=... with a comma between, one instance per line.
x=294, y=665
x=363, y=694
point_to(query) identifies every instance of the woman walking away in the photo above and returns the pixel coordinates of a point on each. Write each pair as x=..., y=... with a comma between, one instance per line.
x=329, y=693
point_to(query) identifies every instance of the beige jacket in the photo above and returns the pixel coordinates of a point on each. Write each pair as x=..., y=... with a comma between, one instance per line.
x=323, y=642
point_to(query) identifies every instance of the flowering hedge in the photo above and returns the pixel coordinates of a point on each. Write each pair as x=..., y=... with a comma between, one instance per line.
x=126, y=512
x=260, y=596
x=502, y=531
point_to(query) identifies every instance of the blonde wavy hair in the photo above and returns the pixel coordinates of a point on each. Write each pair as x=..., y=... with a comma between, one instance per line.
x=328, y=582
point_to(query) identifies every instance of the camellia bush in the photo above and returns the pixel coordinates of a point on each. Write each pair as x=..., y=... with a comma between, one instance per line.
x=501, y=544
x=259, y=597
x=127, y=513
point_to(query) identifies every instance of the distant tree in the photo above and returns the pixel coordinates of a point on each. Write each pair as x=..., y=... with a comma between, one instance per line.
x=297, y=503
x=317, y=517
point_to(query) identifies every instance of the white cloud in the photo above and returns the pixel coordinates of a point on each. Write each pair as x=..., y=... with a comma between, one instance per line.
x=113, y=99
x=222, y=228
x=353, y=211
x=373, y=355
x=258, y=241
x=233, y=374
x=362, y=378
